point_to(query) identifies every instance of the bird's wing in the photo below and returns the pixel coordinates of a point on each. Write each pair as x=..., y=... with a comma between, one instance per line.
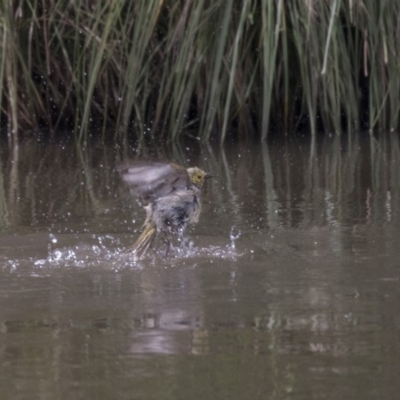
x=154, y=180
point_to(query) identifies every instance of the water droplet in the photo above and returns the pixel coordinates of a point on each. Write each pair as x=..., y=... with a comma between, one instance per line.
x=53, y=239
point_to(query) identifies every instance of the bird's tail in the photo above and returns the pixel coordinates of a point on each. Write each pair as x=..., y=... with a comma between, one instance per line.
x=144, y=241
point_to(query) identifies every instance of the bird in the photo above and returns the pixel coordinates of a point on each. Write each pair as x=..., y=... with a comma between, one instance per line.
x=173, y=194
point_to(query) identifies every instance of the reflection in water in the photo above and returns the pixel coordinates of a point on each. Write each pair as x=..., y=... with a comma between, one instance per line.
x=291, y=183
x=288, y=287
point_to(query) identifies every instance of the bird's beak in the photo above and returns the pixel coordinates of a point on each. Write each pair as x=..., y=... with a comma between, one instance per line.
x=208, y=175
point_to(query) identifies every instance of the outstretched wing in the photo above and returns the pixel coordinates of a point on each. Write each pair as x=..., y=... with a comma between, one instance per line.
x=151, y=181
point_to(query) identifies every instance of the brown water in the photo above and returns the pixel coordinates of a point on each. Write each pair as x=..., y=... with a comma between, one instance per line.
x=289, y=288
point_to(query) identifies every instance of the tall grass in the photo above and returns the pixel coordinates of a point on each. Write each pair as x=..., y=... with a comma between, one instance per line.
x=160, y=67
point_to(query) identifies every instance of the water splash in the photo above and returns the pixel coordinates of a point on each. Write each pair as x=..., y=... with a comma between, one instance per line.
x=96, y=251
x=234, y=235
x=109, y=251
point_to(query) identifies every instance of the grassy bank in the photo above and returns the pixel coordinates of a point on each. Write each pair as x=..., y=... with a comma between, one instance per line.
x=159, y=67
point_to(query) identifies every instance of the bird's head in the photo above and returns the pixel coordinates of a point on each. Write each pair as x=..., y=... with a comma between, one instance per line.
x=198, y=176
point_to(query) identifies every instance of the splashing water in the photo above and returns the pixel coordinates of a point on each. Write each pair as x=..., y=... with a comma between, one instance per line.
x=234, y=235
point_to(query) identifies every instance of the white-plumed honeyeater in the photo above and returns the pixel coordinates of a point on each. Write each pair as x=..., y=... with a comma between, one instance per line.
x=173, y=194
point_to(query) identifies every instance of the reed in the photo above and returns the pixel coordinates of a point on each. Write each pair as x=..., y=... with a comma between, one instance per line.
x=161, y=68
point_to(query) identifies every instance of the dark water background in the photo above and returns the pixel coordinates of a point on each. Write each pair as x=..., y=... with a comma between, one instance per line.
x=289, y=289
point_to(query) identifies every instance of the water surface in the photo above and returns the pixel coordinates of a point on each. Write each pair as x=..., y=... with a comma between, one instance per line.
x=288, y=289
